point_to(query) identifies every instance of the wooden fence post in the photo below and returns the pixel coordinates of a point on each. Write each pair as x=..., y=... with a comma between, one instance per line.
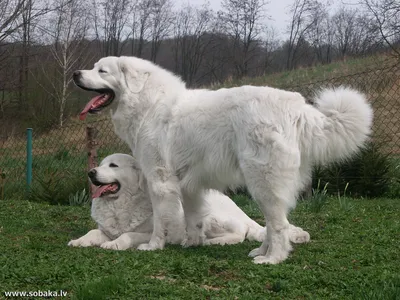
x=2, y=184
x=91, y=146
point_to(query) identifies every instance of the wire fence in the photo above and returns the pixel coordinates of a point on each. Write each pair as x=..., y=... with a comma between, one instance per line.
x=65, y=150
x=62, y=151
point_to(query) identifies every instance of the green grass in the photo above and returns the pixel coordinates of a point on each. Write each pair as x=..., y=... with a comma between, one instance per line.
x=353, y=254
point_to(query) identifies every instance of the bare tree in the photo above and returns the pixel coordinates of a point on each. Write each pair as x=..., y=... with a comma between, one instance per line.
x=132, y=26
x=366, y=36
x=67, y=30
x=111, y=24
x=344, y=22
x=354, y=32
x=329, y=37
x=191, y=40
x=144, y=8
x=303, y=17
x=26, y=45
x=386, y=14
x=242, y=19
x=321, y=33
x=10, y=12
x=271, y=44
x=216, y=64
x=18, y=17
x=161, y=20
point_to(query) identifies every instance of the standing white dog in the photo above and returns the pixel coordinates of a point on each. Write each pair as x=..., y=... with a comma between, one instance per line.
x=121, y=207
x=187, y=141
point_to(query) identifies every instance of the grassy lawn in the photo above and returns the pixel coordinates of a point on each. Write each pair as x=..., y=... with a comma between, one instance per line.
x=354, y=254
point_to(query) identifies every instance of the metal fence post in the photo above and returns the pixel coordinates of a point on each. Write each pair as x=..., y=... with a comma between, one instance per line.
x=92, y=153
x=28, y=159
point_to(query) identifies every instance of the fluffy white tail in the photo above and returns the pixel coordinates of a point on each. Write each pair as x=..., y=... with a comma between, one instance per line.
x=345, y=128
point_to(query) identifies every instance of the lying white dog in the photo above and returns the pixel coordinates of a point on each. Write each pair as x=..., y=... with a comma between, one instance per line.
x=187, y=141
x=122, y=209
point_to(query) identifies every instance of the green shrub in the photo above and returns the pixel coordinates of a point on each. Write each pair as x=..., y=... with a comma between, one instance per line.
x=62, y=154
x=79, y=198
x=394, y=183
x=366, y=175
x=344, y=201
x=318, y=198
x=55, y=187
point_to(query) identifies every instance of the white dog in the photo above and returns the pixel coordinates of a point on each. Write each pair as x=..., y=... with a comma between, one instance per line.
x=121, y=207
x=187, y=141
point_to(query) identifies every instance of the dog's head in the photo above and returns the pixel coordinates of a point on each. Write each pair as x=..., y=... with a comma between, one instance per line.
x=116, y=174
x=112, y=77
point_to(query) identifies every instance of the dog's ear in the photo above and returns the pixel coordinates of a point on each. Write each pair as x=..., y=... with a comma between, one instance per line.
x=135, y=80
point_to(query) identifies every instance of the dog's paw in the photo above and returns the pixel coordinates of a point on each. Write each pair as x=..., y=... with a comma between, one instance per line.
x=257, y=252
x=192, y=240
x=220, y=242
x=224, y=240
x=73, y=243
x=148, y=247
x=80, y=243
x=113, y=245
x=267, y=260
x=300, y=237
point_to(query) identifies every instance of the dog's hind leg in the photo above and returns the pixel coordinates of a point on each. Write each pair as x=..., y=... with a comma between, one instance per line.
x=271, y=177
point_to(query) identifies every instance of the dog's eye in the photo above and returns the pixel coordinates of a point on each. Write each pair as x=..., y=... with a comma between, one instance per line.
x=102, y=71
x=113, y=165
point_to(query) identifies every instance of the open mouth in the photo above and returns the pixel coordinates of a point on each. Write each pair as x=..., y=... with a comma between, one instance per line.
x=97, y=103
x=104, y=189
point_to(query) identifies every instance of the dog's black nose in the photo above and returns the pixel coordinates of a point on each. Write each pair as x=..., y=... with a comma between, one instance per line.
x=76, y=75
x=92, y=173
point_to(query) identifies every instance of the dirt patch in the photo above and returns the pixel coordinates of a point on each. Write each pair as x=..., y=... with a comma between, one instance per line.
x=162, y=277
x=211, y=288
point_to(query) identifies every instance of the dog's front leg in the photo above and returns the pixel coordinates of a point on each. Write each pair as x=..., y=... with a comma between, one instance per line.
x=193, y=205
x=165, y=198
x=127, y=240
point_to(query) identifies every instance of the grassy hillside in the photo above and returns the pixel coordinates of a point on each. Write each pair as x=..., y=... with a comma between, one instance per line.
x=353, y=255
x=318, y=73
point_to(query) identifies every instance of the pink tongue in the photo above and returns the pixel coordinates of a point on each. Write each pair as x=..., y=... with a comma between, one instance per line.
x=91, y=104
x=102, y=189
